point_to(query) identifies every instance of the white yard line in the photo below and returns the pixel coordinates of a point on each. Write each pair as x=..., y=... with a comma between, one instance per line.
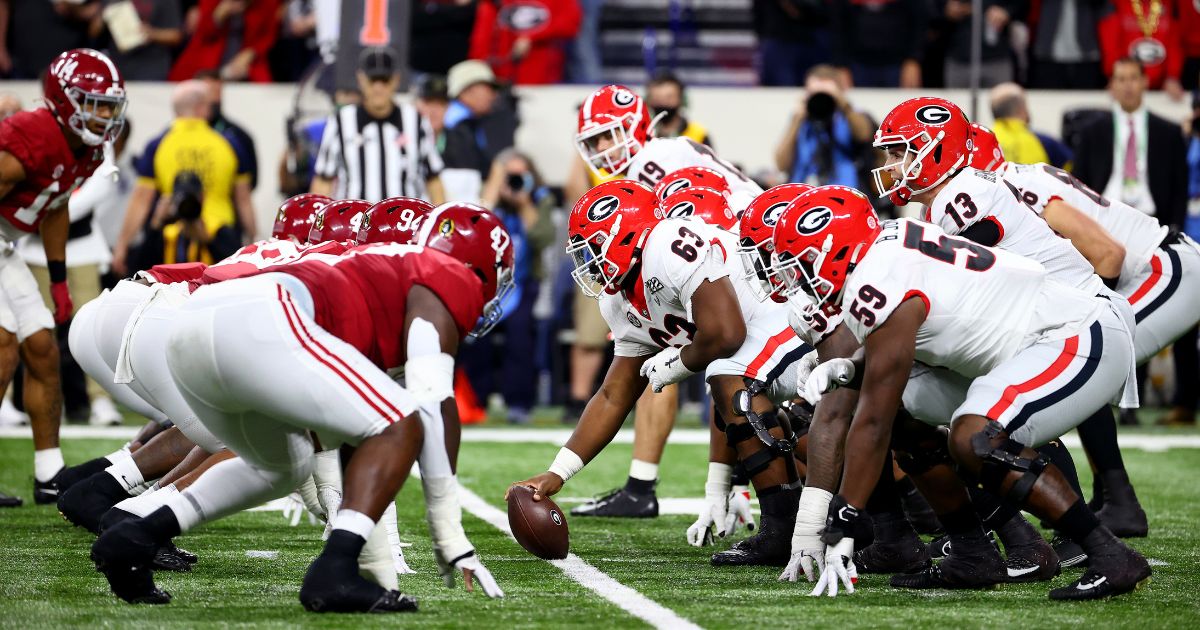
x=595, y=580
x=1153, y=443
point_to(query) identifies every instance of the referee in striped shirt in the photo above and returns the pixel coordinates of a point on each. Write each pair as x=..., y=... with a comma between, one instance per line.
x=378, y=149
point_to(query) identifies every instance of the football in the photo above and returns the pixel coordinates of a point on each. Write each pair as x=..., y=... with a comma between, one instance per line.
x=540, y=526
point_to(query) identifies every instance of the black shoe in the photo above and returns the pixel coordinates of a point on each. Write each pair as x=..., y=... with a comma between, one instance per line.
x=1069, y=553
x=1115, y=570
x=114, y=516
x=46, y=492
x=333, y=584
x=964, y=569
x=940, y=547
x=920, y=514
x=7, y=501
x=1129, y=418
x=620, y=503
x=1122, y=514
x=125, y=554
x=85, y=503
x=172, y=558
x=770, y=547
x=896, y=549
x=72, y=475
x=1028, y=557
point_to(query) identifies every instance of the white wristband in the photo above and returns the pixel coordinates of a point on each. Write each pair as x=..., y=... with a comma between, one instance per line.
x=566, y=464
x=814, y=506
x=720, y=478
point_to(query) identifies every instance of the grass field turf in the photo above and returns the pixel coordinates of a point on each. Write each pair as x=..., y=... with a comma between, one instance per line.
x=47, y=581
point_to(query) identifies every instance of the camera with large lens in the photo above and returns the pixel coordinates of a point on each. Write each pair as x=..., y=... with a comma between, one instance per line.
x=821, y=106
x=187, y=195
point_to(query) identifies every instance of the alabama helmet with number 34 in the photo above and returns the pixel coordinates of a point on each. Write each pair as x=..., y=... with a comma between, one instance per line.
x=479, y=239
x=337, y=221
x=295, y=217
x=606, y=231
x=754, y=237
x=393, y=220
x=706, y=204
x=820, y=237
x=935, y=136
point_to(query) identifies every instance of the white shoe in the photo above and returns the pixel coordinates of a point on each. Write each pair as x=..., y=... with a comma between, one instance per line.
x=104, y=413
x=10, y=416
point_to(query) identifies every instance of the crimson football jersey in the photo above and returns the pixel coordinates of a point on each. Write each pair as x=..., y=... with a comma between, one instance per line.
x=52, y=171
x=263, y=254
x=360, y=297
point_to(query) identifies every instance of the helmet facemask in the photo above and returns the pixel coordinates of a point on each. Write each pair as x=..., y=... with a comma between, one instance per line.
x=493, y=311
x=762, y=275
x=86, y=105
x=615, y=158
x=905, y=186
x=803, y=274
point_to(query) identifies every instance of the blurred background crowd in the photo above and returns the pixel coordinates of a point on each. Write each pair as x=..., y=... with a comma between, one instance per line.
x=188, y=193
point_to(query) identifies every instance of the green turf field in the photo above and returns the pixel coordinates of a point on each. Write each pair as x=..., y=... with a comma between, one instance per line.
x=47, y=581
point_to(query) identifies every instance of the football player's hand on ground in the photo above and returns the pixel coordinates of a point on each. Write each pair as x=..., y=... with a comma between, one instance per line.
x=808, y=550
x=544, y=485
x=739, y=510
x=472, y=570
x=714, y=514
x=839, y=566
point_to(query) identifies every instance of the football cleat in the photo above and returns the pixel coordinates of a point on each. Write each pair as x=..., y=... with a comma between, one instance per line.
x=86, y=502
x=72, y=475
x=333, y=584
x=172, y=558
x=1121, y=513
x=940, y=547
x=620, y=503
x=114, y=516
x=770, y=547
x=125, y=554
x=1114, y=569
x=7, y=500
x=973, y=569
x=1028, y=557
x=46, y=492
x=905, y=556
x=1069, y=553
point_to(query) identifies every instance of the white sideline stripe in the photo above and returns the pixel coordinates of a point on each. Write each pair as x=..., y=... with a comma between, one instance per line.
x=591, y=578
x=1152, y=443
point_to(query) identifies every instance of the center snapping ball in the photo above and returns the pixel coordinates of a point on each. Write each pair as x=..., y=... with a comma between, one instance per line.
x=540, y=526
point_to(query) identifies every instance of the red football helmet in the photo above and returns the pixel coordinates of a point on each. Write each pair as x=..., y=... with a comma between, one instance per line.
x=616, y=114
x=605, y=234
x=936, y=137
x=295, y=217
x=756, y=228
x=691, y=177
x=986, y=154
x=819, y=239
x=395, y=220
x=479, y=239
x=337, y=221
x=79, y=86
x=706, y=204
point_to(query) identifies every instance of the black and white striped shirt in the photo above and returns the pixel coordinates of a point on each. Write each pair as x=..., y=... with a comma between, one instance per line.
x=374, y=159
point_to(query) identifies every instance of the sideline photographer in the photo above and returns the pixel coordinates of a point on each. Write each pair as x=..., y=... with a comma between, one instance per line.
x=177, y=232
x=827, y=142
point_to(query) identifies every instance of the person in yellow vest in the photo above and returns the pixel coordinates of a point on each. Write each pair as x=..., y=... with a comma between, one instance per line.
x=189, y=145
x=1021, y=144
x=666, y=96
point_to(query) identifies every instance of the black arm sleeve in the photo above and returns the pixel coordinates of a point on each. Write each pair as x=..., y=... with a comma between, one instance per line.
x=985, y=232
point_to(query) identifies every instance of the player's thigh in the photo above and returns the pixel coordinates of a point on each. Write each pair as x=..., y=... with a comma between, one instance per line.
x=1167, y=305
x=113, y=316
x=24, y=298
x=770, y=347
x=146, y=350
x=264, y=442
x=933, y=393
x=1049, y=388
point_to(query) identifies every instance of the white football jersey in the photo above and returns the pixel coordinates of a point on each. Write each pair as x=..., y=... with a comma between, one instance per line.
x=984, y=304
x=974, y=196
x=661, y=156
x=812, y=328
x=679, y=255
x=1140, y=233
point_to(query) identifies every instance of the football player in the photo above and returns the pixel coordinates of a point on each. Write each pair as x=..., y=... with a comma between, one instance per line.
x=675, y=295
x=1037, y=354
x=1155, y=267
x=45, y=154
x=323, y=331
x=615, y=138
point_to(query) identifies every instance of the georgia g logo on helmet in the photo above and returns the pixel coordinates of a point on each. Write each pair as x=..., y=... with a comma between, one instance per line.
x=771, y=216
x=623, y=98
x=680, y=210
x=814, y=220
x=933, y=115
x=603, y=208
x=675, y=186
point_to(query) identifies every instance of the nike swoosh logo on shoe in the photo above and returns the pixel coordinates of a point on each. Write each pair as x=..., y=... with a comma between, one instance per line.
x=1019, y=572
x=1082, y=586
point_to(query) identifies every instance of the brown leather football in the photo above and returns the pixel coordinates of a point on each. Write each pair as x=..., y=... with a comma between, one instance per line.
x=540, y=526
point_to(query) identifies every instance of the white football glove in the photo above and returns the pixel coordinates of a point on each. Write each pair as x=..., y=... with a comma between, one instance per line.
x=808, y=551
x=665, y=368
x=716, y=506
x=839, y=565
x=804, y=368
x=472, y=570
x=331, y=500
x=739, y=510
x=294, y=510
x=827, y=377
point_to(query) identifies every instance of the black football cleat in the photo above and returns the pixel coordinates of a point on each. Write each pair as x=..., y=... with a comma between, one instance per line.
x=72, y=475
x=1069, y=553
x=620, y=503
x=172, y=558
x=46, y=492
x=940, y=547
x=114, y=516
x=979, y=568
x=1121, y=513
x=333, y=584
x=85, y=503
x=1114, y=569
x=1028, y=556
x=125, y=554
x=770, y=547
x=8, y=501
x=896, y=549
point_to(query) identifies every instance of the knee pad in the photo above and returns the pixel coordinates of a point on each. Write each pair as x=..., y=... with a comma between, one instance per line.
x=919, y=447
x=1001, y=455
